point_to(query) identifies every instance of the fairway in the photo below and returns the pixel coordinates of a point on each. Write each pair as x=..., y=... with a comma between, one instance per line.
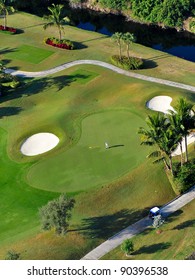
x=89, y=163
x=29, y=54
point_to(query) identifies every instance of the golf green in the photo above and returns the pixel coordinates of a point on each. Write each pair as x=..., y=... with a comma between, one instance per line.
x=89, y=163
x=29, y=54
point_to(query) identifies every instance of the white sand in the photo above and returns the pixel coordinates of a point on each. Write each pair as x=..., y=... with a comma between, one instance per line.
x=39, y=143
x=162, y=104
x=190, y=140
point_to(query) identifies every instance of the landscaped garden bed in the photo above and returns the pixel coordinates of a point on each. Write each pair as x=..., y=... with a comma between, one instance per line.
x=126, y=63
x=62, y=44
x=8, y=30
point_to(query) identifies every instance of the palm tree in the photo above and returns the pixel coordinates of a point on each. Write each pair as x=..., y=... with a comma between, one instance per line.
x=5, y=9
x=160, y=135
x=178, y=129
x=186, y=119
x=117, y=37
x=128, y=39
x=56, y=18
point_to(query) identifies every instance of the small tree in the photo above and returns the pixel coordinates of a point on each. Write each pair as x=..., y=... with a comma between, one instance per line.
x=12, y=255
x=127, y=247
x=56, y=213
x=5, y=9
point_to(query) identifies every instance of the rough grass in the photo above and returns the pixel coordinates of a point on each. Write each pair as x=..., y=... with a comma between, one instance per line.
x=175, y=242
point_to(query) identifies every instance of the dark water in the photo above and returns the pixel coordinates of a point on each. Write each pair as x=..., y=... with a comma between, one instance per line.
x=181, y=44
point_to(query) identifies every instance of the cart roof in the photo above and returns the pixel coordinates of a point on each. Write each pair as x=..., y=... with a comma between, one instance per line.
x=154, y=210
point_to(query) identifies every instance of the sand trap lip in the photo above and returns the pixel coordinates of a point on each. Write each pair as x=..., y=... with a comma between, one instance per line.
x=160, y=104
x=39, y=143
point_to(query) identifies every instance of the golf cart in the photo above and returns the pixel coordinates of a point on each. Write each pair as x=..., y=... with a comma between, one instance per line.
x=155, y=211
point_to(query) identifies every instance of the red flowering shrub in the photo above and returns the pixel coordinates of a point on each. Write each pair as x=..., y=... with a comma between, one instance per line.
x=62, y=44
x=7, y=29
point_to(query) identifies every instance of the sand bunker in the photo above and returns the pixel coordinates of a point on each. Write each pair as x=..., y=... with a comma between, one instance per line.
x=39, y=143
x=160, y=104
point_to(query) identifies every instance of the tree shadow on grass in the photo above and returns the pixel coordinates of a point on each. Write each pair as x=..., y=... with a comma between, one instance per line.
x=9, y=111
x=152, y=248
x=32, y=86
x=7, y=50
x=189, y=223
x=149, y=64
x=173, y=216
x=79, y=46
x=19, y=31
x=106, y=226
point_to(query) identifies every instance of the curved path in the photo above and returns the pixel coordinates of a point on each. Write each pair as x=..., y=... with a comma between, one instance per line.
x=102, y=64
x=138, y=227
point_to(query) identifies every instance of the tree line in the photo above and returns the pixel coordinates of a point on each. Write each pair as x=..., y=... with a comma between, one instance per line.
x=165, y=12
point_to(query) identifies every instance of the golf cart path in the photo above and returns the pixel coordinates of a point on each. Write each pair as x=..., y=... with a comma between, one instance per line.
x=139, y=226
x=102, y=64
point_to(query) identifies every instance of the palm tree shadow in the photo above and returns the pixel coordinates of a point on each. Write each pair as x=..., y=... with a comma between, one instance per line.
x=152, y=248
x=79, y=46
x=186, y=224
x=149, y=64
x=9, y=111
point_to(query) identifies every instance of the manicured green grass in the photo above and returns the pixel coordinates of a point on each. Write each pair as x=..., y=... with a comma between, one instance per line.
x=84, y=106
x=29, y=53
x=89, y=164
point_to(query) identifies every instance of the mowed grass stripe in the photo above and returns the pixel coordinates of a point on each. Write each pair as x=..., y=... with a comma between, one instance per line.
x=29, y=53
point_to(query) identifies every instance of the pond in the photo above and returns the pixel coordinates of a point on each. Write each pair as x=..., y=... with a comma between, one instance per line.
x=181, y=44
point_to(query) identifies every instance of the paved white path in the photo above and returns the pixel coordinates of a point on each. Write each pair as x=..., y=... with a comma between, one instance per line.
x=138, y=227
x=102, y=64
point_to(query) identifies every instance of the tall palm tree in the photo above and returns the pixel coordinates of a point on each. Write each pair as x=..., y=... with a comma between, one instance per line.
x=161, y=136
x=56, y=18
x=186, y=120
x=128, y=38
x=117, y=37
x=176, y=126
x=6, y=8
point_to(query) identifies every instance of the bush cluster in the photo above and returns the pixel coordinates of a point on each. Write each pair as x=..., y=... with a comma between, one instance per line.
x=8, y=81
x=184, y=175
x=7, y=29
x=62, y=44
x=131, y=63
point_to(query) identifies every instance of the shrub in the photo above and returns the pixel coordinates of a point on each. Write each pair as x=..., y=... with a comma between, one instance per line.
x=62, y=44
x=131, y=63
x=185, y=176
x=12, y=255
x=127, y=247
